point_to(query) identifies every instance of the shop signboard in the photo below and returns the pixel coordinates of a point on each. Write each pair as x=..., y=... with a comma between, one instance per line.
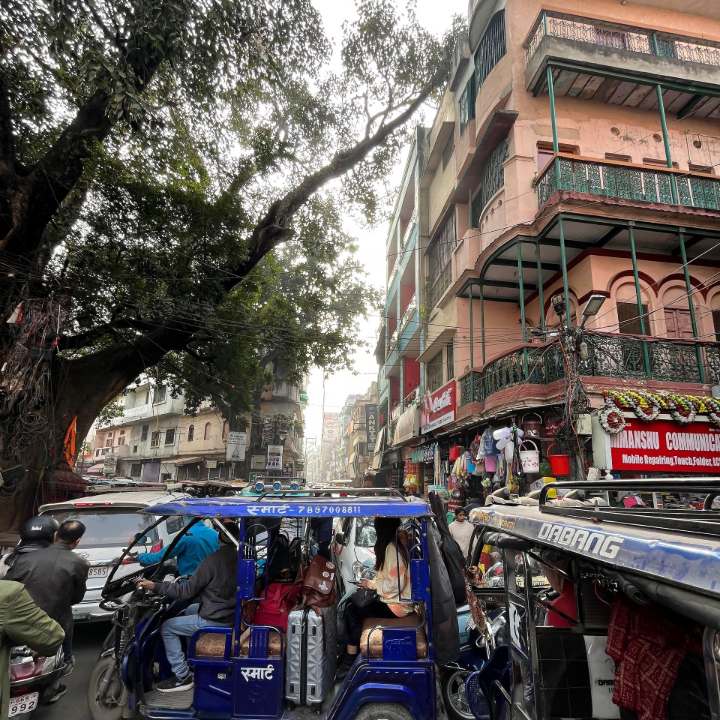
x=438, y=408
x=236, y=444
x=288, y=469
x=274, y=457
x=660, y=446
x=211, y=464
x=371, y=424
x=331, y=428
x=110, y=465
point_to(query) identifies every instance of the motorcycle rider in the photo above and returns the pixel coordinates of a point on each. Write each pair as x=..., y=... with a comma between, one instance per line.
x=35, y=534
x=214, y=583
x=22, y=622
x=190, y=551
x=56, y=579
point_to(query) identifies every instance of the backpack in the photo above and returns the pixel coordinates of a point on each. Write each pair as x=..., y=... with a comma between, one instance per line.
x=284, y=561
x=318, y=585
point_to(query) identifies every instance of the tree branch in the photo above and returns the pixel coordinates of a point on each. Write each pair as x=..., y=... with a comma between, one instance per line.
x=7, y=137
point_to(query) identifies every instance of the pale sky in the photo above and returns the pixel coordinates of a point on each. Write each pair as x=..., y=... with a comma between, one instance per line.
x=436, y=17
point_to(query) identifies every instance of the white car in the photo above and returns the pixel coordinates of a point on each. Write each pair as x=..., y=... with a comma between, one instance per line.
x=111, y=522
x=353, y=547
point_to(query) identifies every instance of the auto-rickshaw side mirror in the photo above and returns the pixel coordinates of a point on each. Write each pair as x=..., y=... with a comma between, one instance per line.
x=340, y=538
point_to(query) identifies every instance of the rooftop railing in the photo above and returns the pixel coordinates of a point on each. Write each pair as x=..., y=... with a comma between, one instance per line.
x=622, y=37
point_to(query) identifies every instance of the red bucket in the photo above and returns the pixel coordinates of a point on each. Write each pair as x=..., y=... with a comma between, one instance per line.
x=559, y=464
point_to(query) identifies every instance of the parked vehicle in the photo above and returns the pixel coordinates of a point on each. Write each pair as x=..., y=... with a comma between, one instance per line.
x=578, y=575
x=246, y=679
x=353, y=548
x=112, y=521
x=33, y=680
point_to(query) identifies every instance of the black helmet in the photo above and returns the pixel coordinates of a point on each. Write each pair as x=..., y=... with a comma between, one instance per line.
x=42, y=527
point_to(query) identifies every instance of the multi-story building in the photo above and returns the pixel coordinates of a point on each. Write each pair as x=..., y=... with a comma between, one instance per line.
x=575, y=153
x=360, y=436
x=344, y=421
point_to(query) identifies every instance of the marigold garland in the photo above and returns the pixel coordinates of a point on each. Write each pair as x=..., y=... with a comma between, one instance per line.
x=647, y=406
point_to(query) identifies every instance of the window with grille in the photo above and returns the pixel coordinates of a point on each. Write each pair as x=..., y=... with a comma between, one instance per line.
x=493, y=179
x=191, y=433
x=435, y=373
x=629, y=322
x=144, y=433
x=491, y=49
x=160, y=394
x=170, y=436
x=155, y=440
x=466, y=104
x=716, y=324
x=442, y=246
x=448, y=151
x=450, y=361
x=135, y=469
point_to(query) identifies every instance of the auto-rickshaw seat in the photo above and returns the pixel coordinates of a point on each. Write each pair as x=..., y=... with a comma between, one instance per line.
x=376, y=638
x=274, y=644
x=211, y=645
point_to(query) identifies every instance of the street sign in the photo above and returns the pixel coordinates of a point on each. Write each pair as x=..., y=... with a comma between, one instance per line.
x=236, y=444
x=274, y=457
x=371, y=424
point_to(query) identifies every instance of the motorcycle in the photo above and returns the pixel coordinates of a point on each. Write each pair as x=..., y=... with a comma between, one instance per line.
x=33, y=680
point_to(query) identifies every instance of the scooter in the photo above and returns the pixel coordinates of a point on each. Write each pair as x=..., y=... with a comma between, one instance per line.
x=33, y=680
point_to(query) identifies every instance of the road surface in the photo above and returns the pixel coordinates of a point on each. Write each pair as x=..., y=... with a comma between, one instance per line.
x=86, y=647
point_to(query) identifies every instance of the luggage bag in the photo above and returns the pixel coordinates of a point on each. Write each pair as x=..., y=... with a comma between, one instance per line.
x=311, y=659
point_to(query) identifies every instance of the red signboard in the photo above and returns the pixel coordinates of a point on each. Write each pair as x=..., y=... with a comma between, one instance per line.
x=665, y=446
x=438, y=408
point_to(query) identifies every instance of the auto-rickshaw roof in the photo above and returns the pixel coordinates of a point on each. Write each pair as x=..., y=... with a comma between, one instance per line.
x=356, y=503
x=668, y=556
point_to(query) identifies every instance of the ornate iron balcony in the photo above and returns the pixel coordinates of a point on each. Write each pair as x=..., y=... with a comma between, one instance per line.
x=609, y=355
x=627, y=181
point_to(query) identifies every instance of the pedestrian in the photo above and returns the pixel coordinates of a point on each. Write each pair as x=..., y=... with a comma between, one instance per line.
x=368, y=483
x=192, y=548
x=36, y=534
x=22, y=622
x=215, y=584
x=462, y=530
x=56, y=579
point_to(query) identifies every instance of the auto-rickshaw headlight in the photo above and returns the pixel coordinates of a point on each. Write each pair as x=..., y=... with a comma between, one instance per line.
x=259, y=486
x=277, y=486
x=294, y=486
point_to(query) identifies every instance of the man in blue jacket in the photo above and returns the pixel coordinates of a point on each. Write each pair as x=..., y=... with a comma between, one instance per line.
x=199, y=542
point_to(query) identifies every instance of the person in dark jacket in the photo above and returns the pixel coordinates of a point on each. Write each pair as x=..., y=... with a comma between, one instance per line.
x=322, y=534
x=214, y=583
x=56, y=579
x=37, y=533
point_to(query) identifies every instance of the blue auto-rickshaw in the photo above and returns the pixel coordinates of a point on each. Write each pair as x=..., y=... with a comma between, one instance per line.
x=594, y=590
x=245, y=680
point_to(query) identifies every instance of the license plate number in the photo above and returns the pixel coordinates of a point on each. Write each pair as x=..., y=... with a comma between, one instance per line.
x=23, y=704
x=98, y=572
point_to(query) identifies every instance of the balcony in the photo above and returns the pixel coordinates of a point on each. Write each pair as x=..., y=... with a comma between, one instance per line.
x=628, y=182
x=412, y=398
x=609, y=356
x=408, y=232
x=437, y=289
x=393, y=340
x=620, y=64
x=409, y=313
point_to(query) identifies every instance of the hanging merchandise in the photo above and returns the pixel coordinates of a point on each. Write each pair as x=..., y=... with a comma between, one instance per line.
x=532, y=424
x=529, y=458
x=559, y=463
x=411, y=482
x=490, y=463
x=480, y=467
x=455, y=452
x=488, y=443
x=475, y=449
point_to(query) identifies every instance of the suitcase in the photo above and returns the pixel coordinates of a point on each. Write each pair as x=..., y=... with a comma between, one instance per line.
x=311, y=659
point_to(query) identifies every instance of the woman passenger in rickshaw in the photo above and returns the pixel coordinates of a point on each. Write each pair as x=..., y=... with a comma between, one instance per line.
x=393, y=576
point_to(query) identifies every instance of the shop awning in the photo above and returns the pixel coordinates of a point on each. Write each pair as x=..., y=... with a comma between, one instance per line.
x=408, y=425
x=379, y=448
x=184, y=461
x=95, y=469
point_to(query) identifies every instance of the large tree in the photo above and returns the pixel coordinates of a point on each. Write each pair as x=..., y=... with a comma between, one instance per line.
x=154, y=157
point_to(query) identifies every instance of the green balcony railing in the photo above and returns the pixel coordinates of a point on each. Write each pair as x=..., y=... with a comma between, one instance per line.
x=629, y=182
x=608, y=355
x=622, y=37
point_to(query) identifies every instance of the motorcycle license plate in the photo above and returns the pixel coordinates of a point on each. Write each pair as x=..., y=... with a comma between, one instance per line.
x=98, y=572
x=23, y=704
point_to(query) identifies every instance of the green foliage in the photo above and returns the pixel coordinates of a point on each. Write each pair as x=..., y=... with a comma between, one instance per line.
x=210, y=133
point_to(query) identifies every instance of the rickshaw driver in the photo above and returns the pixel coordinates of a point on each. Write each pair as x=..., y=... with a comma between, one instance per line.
x=215, y=583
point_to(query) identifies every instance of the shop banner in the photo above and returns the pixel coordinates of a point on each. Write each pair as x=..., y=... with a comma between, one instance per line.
x=274, y=457
x=236, y=444
x=438, y=408
x=371, y=424
x=663, y=446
